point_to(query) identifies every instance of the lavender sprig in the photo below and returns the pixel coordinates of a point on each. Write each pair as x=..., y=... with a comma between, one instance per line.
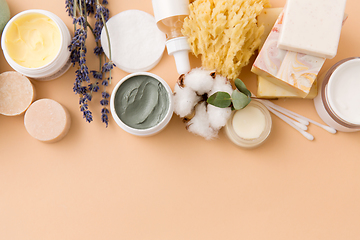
x=79, y=10
x=101, y=16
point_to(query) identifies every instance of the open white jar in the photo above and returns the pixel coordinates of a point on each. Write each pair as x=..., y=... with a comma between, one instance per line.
x=338, y=101
x=42, y=52
x=141, y=104
x=249, y=127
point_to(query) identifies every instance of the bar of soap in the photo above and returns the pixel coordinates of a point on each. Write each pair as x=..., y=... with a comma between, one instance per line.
x=47, y=120
x=267, y=18
x=266, y=89
x=312, y=27
x=16, y=93
x=292, y=71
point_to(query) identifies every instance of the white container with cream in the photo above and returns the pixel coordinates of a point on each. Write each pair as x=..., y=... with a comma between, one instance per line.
x=35, y=43
x=141, y=104
x=338, y=101
x=249, y=127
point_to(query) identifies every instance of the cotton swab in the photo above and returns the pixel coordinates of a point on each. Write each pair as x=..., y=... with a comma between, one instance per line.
x=286, y=112
x=300, y=125
x=292, y=124
x=293, y=114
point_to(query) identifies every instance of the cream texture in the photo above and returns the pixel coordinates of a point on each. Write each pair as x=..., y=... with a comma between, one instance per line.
x=33, y=40
x=343, y=91
x=141, y=102
x=249, y=123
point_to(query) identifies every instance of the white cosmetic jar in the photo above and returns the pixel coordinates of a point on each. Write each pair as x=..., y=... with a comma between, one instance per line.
x=115, y=105
x=263, y=129
x=56, y=67
x=338, y=100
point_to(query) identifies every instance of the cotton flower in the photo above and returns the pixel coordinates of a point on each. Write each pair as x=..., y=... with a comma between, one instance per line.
x=200, y=123
x=190, y=95
x=185, y=100
x=199, y=80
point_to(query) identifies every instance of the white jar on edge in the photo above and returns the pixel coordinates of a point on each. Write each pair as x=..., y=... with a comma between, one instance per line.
x=338, y=101
x=58, y=65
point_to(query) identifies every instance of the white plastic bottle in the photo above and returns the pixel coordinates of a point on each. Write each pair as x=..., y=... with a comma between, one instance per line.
x=169, y=16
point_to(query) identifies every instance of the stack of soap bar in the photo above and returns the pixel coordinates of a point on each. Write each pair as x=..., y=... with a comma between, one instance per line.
x=16, y=93
x=312, y=27
x=292, y=71
x=266, y=89
x=47, y=120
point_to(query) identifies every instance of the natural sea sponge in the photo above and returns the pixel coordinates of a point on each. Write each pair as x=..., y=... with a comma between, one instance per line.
x=224, y=32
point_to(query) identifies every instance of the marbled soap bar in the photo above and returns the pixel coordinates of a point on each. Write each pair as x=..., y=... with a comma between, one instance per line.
x=267, y=18
x=266, y=89
x=270, y=57
x=290, y=70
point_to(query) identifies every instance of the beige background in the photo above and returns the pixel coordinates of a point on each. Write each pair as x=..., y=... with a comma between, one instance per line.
x=103, y=183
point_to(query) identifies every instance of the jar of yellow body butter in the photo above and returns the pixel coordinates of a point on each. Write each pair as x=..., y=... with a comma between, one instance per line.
x=35, y=43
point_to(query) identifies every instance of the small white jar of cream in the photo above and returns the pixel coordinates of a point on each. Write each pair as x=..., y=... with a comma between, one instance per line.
x=249, y=127
x=35, y=43
x=141, y=104
x=338, y=101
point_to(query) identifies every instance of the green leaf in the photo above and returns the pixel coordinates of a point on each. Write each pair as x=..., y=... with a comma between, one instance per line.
x=242, y=88
x=220, y=99
x=239, y=99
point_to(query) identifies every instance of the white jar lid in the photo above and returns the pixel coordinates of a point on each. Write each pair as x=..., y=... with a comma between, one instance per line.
x=137, y=44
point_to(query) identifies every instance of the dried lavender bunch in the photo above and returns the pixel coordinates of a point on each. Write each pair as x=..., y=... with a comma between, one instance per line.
x=80, y=10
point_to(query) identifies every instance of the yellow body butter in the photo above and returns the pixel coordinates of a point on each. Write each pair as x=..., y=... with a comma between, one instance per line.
x=33, y=40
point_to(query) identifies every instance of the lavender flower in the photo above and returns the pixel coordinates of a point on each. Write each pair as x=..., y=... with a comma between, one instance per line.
x=104, y=116
x=80, y=10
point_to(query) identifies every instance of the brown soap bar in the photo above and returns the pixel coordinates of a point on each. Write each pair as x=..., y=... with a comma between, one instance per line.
x=47, y=120
x=16, y=93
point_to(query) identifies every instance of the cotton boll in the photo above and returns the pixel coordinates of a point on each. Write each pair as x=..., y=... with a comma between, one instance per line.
x=200, y=125
x=218, y=116
x=221, y=84
x=199, y=80
x=184, y=100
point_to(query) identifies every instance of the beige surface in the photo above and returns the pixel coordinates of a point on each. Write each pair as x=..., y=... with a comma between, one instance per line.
x=100, y=183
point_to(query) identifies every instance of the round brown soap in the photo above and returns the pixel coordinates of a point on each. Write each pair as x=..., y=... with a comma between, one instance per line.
x=16, y=93
x=47, y=120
